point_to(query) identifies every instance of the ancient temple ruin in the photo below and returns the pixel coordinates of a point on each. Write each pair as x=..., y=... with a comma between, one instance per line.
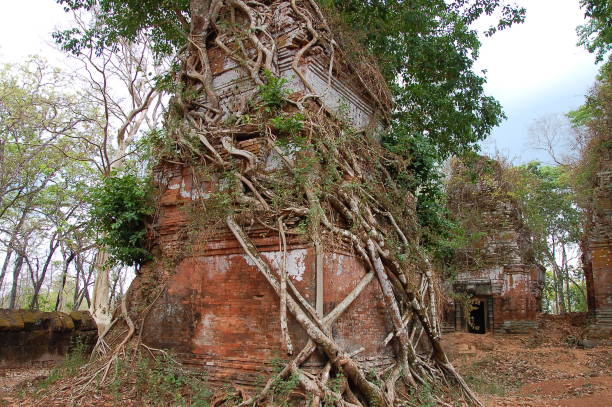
x=279, y=232
x=218, y=312
x=497, y=271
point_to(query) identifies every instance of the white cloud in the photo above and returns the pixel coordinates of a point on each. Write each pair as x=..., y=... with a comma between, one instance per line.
x=536, y=56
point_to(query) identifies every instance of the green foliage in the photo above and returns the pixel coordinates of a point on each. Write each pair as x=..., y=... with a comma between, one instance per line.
x=335, y=384
x=164, y=22
x=288, y=125
x=272, y=94
x=597, y=102
x=42, y=188
x=575, y=295
x=156, y=145
x=163, y=382
x=282, y=387
x=423, y=396
x=426, y=50
x=596, y=34
x=548, y=204
x=39, y=121
x=120, y=205
x=231, y=395
x=555, y=221
x=591, y=122
x=76, y=357
x=422, y=177
x=156, y=382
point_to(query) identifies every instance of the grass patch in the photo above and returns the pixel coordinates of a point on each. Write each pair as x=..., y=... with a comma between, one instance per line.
x=424, y=396
x=484, y=385
x=152, y=382
x=76, y=357
x=161, y=382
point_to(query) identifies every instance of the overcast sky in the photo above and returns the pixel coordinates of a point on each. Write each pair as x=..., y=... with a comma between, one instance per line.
x=534, y=69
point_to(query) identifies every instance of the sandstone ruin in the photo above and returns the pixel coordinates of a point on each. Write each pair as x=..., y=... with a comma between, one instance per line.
x=35, y=336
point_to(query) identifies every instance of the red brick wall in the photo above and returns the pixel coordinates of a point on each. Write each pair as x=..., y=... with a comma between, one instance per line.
x=219, y=312
x=602, y=275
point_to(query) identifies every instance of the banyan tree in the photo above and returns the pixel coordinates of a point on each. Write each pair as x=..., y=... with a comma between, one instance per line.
x=280, y=230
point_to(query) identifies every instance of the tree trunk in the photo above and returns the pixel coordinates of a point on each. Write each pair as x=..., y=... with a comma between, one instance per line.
x=99, y=307
x=565, y=269
x=60, y=293
x=7, y=260
x=587, y=269
x=78, y=265
x=53, y=245
x=112, y=298
x=13, y=241
x=558, y=273
x=16, y=272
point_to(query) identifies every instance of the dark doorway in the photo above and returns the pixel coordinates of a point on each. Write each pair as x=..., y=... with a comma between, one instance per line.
x=477, y=318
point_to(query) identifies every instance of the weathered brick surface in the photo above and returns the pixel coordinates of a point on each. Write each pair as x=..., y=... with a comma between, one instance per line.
x=599, y=250
x=220, y=314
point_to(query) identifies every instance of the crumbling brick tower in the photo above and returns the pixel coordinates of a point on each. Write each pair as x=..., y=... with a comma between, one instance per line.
x=218, y=312
x=498, y=269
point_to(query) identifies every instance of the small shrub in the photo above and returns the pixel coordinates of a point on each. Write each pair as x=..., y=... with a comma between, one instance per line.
x=120, y=206
x=272, y=94
x=288, y=124
x=282, y=388
x=156, y=145
x=335, y=384
x=423, y=397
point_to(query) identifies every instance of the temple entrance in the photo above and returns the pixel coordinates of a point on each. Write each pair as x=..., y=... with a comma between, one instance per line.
x=477, y=318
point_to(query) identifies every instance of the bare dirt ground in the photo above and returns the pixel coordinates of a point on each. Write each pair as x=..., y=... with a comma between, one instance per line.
x=15, y=380
x=545, y=369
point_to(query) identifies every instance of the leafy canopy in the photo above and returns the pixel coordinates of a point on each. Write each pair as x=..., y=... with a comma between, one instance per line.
x=548, y=204
x=596, y=34
x=426, y=51
x=165, y=22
